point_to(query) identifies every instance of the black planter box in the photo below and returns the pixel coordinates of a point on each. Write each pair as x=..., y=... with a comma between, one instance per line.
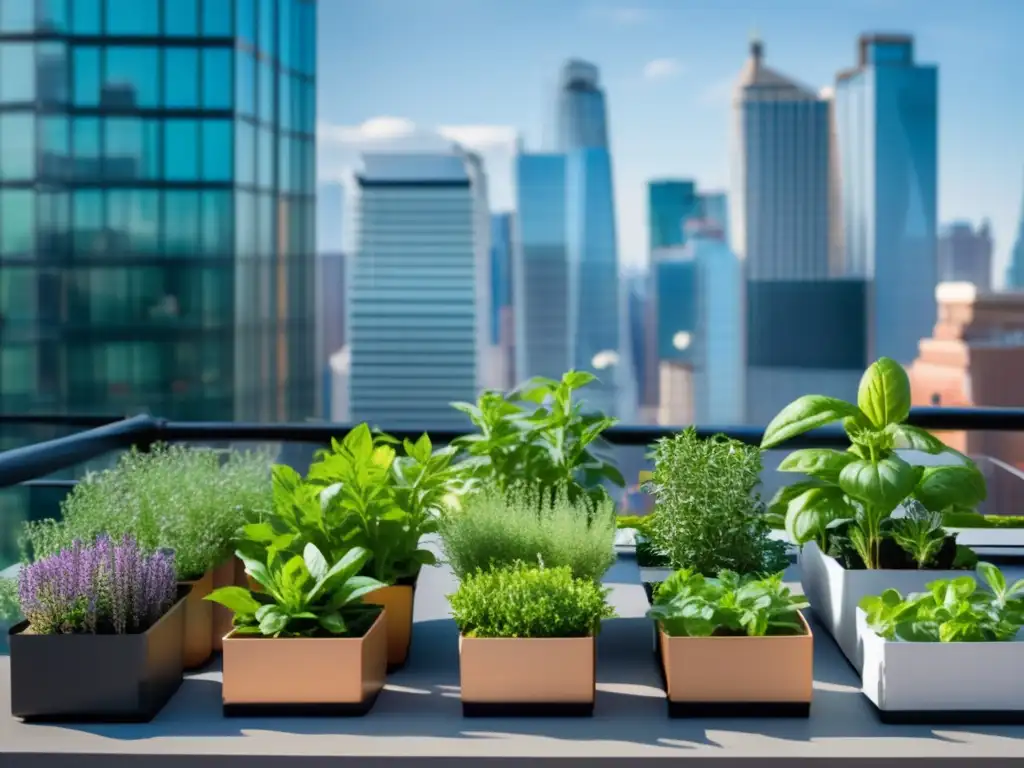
x=97, y=678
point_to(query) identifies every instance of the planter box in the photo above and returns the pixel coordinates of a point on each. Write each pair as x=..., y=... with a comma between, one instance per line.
x=97, y=678
x=308, y=676
x=738, y=676
x=943, y=683
x=502, y=677
x=398, y=600
x=199, y=626
x=225, y=575
x=834, y=594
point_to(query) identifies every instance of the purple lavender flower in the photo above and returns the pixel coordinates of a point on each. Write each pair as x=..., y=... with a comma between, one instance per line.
x=105, y=588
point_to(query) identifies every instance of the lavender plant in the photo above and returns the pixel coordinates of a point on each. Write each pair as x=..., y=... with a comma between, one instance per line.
x=108, y=587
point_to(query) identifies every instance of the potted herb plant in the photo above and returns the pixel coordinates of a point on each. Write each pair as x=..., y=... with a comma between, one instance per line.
x=527, y=641
x=733, y=646
x=189, y=500
x=496, y=528
x=102, y=638
x=950, y=654
x=844, y=515
x=305, y=643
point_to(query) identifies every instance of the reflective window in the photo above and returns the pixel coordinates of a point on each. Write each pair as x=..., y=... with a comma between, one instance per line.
x=245, y=224
x=19, y=366
x=267, y=76
x=17, y=72
x=181, y=78
x=17, y=146
x=52, y=73
x=246, y=20
x=217, y=220
x=54, y=146
x=86, y=69
x=181, y=18
x=307, y=35
x=87, y=210
x=85, y=17
x=217, y=150
x=245, y=83
x=309, y=107
x=132, y=77
x=285, y=14
x=217, y=18
x=17, y=222
x=53, y=215
x=217, y=78
x=181, y=150
x=85, y=141
x=284, y=99
x=16, y=16
x=245, y=153
x=132, y=148
x=17, y=293
x=266, y=225
x=52, y=15
x=265, y=158
x=133, y=17
x=266, y=26
x=181, y=222
x=134, y=215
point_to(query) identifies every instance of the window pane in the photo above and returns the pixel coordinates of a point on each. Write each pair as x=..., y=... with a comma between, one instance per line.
x=17, y=146
x=52, y=73
x=246, y=20
x=217, y=150
x=245, y=83
x=309, y=105
x=181, y=78
x=133, y=17
x=284, y=32
x=181, y=233
x=181, y=17
x=284, y=97
x=217, y=78
x=245, y=153
x=54, y=147
x=307, y=36
x=266, y=226
x=18, y=367
x=181, y=150
x=133, y=77
x=265, y=161
x=88, y=214
x=217, y=18
x=217, y=219
x=17, y=72
x=133, y=217
x=267, y=75
x=17, y=293
x=17, y=222
x=266, y=26
x=245, y=224
x=86, y=62
x=132, y=148
x=53, y=15
x=85, y=17
x=85, y=138
x=283, y=164
x=16, y=16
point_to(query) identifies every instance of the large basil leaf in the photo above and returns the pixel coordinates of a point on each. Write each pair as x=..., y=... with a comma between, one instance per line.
x=883, y=484
x=915, y=439
x=810, y=513
x=804, y=414
x=961, y=485
x=822, y=463
x=884, y=393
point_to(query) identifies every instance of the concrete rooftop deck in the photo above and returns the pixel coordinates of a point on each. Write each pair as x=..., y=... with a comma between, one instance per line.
x=417, y=720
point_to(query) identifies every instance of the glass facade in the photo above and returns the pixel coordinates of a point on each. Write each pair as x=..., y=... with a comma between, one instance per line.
x=156, y=207
x=669, y=205
x=501, y=271
x=582, y=116
x=1015, y=270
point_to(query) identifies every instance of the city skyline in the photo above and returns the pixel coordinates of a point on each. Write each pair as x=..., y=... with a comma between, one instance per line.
x=652, y=97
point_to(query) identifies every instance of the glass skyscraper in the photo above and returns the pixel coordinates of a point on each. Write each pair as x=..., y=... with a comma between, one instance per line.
x=887, y=129
x=1015, y=270
x=669, y=204
x=501, y=272
x=157, y=186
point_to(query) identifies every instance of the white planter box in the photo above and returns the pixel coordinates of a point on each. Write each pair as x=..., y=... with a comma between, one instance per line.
x=943, y=682
x=834, y=594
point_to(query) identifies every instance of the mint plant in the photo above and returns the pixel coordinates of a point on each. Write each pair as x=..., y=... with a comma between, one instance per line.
x=951, y=611
x=539, y=434
x=304, y=596
x=858, y=489
x=689, y=605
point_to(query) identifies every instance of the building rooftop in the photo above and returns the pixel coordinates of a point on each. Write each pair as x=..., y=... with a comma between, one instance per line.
x=413, y=166
x=756, y=75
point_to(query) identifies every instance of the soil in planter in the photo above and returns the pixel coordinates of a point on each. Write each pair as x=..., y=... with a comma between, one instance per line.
x=892, y=556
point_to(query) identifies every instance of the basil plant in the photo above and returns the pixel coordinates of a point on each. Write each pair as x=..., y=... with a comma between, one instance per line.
x=857, y=490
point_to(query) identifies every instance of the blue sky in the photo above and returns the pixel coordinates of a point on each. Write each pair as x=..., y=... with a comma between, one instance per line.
x=483, y=70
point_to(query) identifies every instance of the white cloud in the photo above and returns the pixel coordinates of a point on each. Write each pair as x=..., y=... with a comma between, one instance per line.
x=661, y=69
x=374, y=129
x=399, y=130
x=481, y=136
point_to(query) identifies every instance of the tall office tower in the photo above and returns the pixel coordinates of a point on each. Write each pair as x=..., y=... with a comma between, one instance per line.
x=540, y=272
x=414, y=316
x=639, y=299
x=598, y=322
x=157, y=208
x=1015, y=270
x=489, y=372
x=714, y=208
x=501, y=324
x=965, y=255
x=887, y=127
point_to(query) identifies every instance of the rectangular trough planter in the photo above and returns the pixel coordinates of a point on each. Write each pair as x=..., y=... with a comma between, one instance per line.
x=527, y=677
x=835, y=592
x=738, y=676
x=199, y=624
x=943, y=683
x=304, y=676
x=97, y=678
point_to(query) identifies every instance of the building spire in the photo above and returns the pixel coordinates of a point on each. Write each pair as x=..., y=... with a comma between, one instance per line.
x=756, y=46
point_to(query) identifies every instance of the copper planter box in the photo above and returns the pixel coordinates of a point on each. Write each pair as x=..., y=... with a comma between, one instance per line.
x=225, y=575
x=199, y=622
x=397, y=600
x=502, y=677
x=306, y=676
x=738, y=676
x=97, y=678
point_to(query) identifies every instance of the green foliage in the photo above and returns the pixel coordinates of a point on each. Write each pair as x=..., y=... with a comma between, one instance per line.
x=638, y=523
x=709, y=517
x=519, y=601
x=689, y=605
x=961, y=519
x=498, y=528
x=538, y=434
x=303, y=596
x=919, y=533
x=866, y=483
x=10, y=609
x=191, y=500
x=951, y=611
